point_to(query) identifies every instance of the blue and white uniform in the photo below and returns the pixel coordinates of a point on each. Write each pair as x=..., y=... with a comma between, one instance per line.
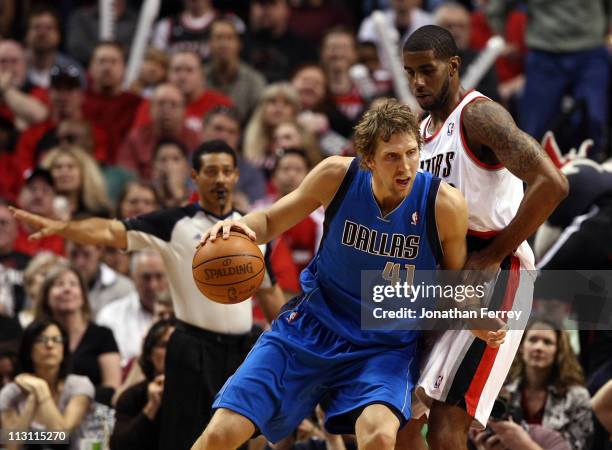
x=317, y=351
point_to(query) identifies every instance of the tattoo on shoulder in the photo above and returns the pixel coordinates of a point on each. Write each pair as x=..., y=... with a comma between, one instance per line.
x=492, y=126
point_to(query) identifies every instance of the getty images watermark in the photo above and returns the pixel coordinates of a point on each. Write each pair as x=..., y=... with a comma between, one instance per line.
x=428, y=300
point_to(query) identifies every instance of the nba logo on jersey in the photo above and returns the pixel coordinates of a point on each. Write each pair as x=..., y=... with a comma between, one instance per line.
x=449, y=130
x=438, y=382
x=415, y=218
x=292, y=316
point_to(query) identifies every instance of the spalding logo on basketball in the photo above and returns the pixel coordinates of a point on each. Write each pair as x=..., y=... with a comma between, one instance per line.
x=228, y=270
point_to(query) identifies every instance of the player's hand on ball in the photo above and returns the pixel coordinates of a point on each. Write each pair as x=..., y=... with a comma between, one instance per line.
x=224, y=227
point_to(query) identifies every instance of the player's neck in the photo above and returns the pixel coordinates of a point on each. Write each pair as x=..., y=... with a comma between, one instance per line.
x=220, y=210
x=439, y=116
x=386, y=200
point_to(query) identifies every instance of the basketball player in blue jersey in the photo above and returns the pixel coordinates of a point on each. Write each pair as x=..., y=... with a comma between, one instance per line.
x=316, y=350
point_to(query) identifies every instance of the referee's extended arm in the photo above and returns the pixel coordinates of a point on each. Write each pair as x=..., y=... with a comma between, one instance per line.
x=93, y=231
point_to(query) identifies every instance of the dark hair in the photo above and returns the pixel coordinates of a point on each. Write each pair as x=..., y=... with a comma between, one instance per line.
x=280, y=154
x=42, y=9
x=221, y=110
x=208, y=147
x=167, y=141
x=43, y=309
x=155, y=333
x=28, y=339
x=226, y=21
x=432, y=37
x=126, y=188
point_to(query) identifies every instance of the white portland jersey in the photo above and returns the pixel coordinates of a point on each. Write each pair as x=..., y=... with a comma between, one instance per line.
x=493, y=193
x=175, y=233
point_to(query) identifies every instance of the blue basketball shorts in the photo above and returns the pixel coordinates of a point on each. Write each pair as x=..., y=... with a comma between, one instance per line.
x=299, y=363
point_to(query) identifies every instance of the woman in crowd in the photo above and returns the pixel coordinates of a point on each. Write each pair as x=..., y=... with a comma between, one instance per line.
x=93, y=349
x=171, y=173
x=33, y=277
x=138, y=408
x=278, y=103
x=291, y=134
x=78, y=178
x=546, y=386
x=137, y=197
x=45, y=395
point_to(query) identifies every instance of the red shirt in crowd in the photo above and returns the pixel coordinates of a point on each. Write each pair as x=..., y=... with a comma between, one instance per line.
x=136, y=152
x=28, y=141
x=53, y=244
x=508, y=67
x=114, y=114
x=38, y=93
x=194, y=112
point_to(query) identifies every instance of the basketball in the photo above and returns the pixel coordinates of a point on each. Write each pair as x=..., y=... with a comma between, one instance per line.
x=229, y=270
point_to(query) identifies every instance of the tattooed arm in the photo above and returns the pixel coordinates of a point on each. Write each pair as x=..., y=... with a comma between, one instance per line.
x=488, y=124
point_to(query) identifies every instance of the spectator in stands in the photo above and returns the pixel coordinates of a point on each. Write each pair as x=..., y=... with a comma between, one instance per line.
x=226, y=73
x=224, y=123
x=77, y=177
x=8, y=365
x=33, y=278
x=278, y=103
x=104, y=285
x=190, y=29
x=162, y=306
x=66, y=96
x=401, y=19
x=292, y=134
x=84, y=29
x=456, y=19
x=93, y=348
x=171, y=170
x=168, y=122
x=271, y=47
x=187, y=74
x=46, y=395
x=137, y=411
x=12, y=261
x=566, y=55
x=42, y=42
x=319, y=113
x=546, y=384
x=37, y=196
x=130, y=316
x=154, y=71
x=338, y=55
x=106, y=104
x=137, y=197
x=310, y=19
x=20, y=102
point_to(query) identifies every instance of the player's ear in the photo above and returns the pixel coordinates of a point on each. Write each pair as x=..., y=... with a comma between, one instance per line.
x=453, y=65
x=194, y=174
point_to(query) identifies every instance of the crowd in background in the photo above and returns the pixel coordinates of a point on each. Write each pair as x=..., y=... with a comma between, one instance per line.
x=83, y=328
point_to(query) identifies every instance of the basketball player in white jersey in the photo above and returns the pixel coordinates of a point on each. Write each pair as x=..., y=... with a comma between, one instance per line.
x=473, y=143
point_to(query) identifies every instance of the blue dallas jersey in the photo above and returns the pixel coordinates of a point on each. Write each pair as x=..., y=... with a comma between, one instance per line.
x=358, y=238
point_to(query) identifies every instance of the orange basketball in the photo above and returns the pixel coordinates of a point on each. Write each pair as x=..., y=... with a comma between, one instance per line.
x=228, y=270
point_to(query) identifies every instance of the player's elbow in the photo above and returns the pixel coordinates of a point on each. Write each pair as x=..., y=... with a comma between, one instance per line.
x=560, y=186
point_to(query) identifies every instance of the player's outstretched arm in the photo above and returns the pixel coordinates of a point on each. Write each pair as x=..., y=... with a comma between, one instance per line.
x=452, y=224
x=317, y=189
x=488, y=124
x=93, y=231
